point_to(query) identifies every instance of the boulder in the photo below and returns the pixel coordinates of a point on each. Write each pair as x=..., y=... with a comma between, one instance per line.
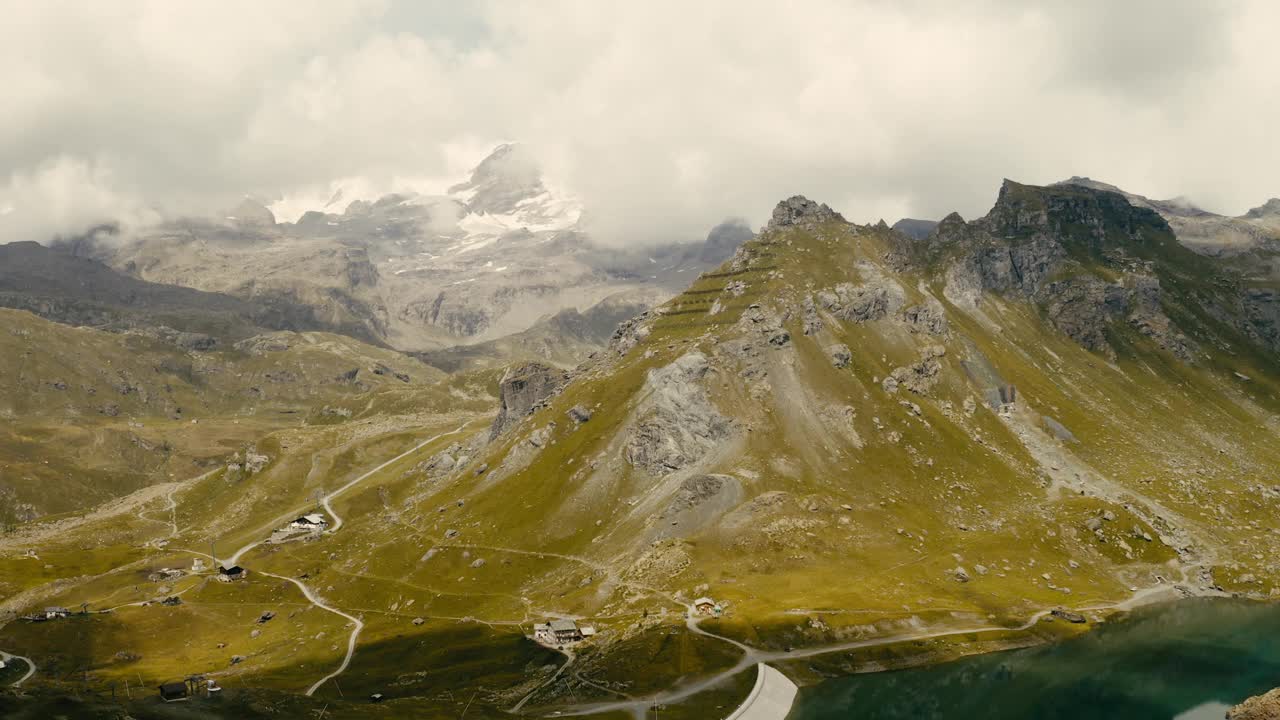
x=840, y=355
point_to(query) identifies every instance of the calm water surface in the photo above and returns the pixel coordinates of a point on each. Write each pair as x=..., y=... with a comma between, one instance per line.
x=1188, y=660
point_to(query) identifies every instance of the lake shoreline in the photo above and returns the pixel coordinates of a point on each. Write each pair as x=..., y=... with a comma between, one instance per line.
x=1173, y=618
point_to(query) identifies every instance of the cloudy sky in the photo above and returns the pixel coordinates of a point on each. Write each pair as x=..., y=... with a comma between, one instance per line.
x=665, y=116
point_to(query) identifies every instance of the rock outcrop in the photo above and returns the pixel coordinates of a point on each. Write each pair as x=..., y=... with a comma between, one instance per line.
x=800, y=210
x=522, y=390
x=869, y=301
x=1258, y=707
x=676, y=424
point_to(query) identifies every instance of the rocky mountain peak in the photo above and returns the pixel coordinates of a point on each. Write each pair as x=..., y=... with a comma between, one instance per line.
x=1269, y=209
x=250, y=213
x=915, y=228
x=800, y=210
x=508, y=176
x=1070, y=210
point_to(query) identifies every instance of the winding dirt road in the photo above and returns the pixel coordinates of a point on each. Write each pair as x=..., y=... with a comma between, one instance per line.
x=327, y=499
x=351, y=641
x=337, y=523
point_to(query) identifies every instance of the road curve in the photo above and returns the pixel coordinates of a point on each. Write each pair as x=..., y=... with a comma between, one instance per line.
x=31, y=667
x=753, y=656
x=337, y=519
x=351, y=641
x=359, y=624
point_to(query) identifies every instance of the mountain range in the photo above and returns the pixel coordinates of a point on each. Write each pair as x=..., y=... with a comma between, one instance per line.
x=866, y=447
x=490, y=258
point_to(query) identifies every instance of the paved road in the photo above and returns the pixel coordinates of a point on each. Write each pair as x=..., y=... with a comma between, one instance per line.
x=754, y=656
x=31, y=667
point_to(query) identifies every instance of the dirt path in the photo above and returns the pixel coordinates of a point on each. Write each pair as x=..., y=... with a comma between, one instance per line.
x=351, y=641
x=559, y=671
x=337, y=519
x=326, y=500
x=43, y=533
x=1193, y=542
x=337, y=524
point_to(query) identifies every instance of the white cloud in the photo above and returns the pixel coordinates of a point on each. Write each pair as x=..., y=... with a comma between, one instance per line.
x=665, y=116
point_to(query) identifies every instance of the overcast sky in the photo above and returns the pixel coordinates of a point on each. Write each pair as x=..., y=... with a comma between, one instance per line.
x=665, y=116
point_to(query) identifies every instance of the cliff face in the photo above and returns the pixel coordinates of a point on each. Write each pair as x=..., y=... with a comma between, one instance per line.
x=1093, y=262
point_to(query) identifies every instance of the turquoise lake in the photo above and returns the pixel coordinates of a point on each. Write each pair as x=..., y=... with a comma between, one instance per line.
x=1188, y=660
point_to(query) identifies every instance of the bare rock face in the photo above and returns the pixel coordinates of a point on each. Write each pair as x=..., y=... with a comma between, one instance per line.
x=927, y=317
x=1258, y=707
x=1262, y=315
x=918, y=378
x=699, y=501
x=630, y=333
x=862, y=303
x=1082, y=307
x=1148, y=318
x=522, y=390
x=800, y=210
x=677, y=424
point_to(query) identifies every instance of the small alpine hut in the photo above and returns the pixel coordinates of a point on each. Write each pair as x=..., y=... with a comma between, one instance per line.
x=705, y=606
x=231, y=574
x=173, y=692
x=314, y=521
x=53, y=613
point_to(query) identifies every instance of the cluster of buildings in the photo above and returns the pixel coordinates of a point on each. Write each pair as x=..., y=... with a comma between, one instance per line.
x=49, y=613
x=557, y=633
x=311, y=524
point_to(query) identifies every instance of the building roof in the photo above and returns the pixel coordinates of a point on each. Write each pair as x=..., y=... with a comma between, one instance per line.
x=704, y=601
x=233, y=570
x=564, y=626
x=173, y=688
x=588, y=630
x=313, y=518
